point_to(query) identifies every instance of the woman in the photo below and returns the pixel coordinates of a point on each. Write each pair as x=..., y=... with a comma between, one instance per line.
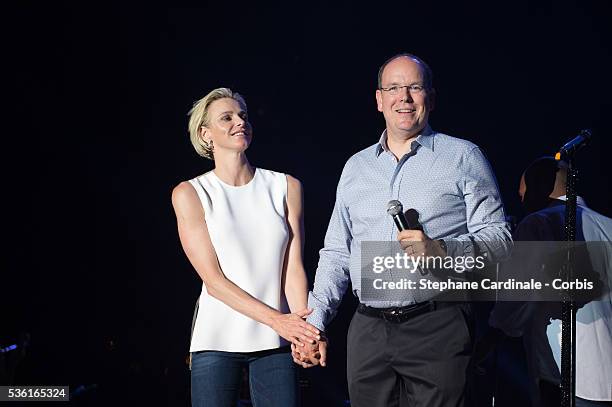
x=242, y=230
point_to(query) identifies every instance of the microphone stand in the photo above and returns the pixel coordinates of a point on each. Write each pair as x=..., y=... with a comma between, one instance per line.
x=568, y=307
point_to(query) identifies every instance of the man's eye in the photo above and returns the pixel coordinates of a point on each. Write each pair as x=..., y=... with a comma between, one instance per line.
x=393, y=89
x=416, y=88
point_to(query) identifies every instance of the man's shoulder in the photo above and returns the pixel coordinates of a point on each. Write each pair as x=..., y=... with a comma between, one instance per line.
x=546, y=215
x=445, y=142
x=596, y=225
x=361, y=156
x=367, y=153
x=545, y=224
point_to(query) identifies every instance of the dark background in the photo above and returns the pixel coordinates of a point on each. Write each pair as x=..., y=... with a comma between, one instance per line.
x=95, y=139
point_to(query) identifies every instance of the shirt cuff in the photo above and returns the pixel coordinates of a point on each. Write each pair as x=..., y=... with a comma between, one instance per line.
x=465, y=249
x=318, y=316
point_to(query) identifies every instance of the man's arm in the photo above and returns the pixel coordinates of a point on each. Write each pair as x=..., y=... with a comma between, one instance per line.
x=332, y=276
x=331, y=280
x=488, y=232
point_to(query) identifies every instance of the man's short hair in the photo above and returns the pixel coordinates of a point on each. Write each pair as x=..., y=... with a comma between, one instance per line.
x=540, y=178
x=427, y=72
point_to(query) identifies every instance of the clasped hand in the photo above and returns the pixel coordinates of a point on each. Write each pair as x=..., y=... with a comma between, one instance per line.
x=308, y=345
x=312, y=354
x=295, y=329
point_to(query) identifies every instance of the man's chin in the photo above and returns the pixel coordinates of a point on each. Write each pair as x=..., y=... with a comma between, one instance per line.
x=412, y=128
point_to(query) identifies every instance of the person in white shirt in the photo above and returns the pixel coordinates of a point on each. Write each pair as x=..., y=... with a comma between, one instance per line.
x=542, y=190
x=242, y=230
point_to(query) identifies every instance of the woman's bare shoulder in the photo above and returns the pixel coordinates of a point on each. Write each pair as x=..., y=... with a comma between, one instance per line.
x=293, y=184
x=184, y=195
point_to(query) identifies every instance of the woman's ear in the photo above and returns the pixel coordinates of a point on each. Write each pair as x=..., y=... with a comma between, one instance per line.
x=204, y=134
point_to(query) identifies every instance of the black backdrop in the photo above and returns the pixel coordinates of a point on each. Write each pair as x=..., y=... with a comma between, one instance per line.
x=95, y=139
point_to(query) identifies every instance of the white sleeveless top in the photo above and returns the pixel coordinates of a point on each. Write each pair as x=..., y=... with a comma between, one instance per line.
x=248, y=229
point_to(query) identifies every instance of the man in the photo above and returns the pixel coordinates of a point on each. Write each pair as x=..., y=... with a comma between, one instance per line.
x=412, y=349
x=542, y=191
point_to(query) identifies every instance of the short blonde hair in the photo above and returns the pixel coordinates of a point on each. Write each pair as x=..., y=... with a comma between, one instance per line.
x=199, y=117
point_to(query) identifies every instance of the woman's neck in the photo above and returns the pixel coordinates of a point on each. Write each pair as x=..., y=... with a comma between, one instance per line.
x=234, y=169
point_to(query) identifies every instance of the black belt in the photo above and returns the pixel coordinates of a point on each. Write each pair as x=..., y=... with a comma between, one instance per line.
x=401, y=314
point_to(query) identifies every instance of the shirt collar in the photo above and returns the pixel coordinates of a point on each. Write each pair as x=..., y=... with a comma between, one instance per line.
x=425, y=139
x=579, y=200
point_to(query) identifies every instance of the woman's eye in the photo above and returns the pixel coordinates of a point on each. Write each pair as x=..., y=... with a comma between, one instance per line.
x=226, y=118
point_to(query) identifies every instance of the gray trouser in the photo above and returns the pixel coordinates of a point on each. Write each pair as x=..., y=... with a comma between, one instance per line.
x=420, y=362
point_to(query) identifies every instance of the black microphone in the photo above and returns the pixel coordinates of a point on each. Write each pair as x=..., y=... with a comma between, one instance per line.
x=574, y=145
x=410, y=221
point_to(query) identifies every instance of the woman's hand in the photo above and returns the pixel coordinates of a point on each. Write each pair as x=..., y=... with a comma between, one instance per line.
x=294, y=329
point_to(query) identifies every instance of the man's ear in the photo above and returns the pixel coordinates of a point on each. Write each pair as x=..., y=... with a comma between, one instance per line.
x=379, y=100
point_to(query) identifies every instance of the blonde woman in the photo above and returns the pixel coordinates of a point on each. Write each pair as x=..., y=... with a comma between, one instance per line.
x=242, y=230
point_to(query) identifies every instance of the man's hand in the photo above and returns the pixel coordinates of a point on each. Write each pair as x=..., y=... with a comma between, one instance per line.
x=311, y=354
x=417, y=244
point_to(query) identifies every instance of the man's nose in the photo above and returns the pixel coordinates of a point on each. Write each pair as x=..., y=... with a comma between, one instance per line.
x=405, y=94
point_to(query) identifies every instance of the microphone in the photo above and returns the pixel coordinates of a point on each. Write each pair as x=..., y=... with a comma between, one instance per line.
x=410, y=221
x=575, y=144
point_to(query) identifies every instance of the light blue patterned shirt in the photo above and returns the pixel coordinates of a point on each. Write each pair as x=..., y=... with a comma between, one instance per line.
x=447, y=180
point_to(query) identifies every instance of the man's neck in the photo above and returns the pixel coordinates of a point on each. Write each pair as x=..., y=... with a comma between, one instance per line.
x=400, y=145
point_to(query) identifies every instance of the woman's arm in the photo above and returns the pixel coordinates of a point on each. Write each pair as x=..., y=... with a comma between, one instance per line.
x=295, y=283
x=294, y=277
x=198, y=247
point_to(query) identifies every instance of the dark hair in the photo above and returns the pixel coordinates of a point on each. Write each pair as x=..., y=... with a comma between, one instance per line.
x=427, y=72
x=539, y=183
